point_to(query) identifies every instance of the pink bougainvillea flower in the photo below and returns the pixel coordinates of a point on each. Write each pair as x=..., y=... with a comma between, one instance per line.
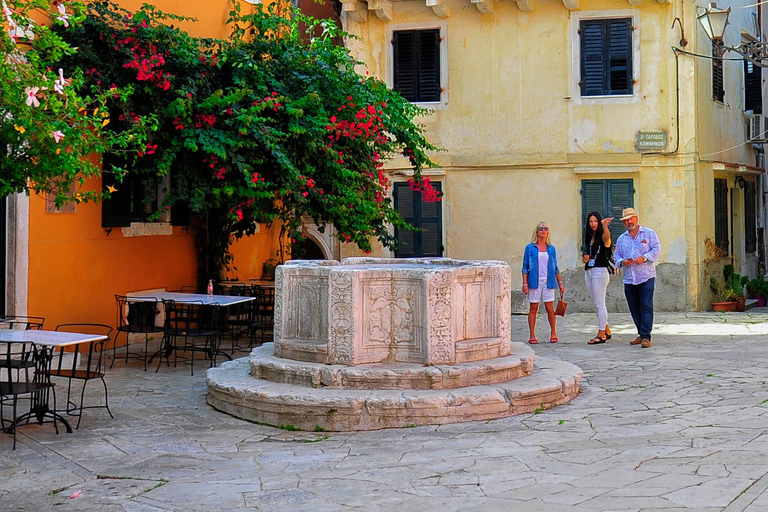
x=57, y=135
x=60, y=83
x=63, y=16
x=32, y=100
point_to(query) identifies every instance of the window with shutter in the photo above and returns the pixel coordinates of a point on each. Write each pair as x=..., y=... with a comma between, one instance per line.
x=609, y=198
x=750, y=218
x=753, y=88
x=721, y=213
x=115, y=210
x=427, y=216
x=416, y=64
x=718, y=90
x=606, y=57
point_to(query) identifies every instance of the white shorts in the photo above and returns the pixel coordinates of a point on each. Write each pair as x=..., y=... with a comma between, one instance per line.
x=541, y=294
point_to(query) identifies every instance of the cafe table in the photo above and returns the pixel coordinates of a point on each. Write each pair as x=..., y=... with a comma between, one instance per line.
x=190, y=298
x=50, y=341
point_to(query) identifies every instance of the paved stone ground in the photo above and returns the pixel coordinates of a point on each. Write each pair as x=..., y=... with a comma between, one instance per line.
x=680, y=426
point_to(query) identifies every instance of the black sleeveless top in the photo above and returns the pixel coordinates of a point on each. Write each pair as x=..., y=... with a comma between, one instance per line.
x=600, y=253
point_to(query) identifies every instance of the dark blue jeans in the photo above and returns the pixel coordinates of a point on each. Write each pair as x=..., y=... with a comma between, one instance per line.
x=640, y=302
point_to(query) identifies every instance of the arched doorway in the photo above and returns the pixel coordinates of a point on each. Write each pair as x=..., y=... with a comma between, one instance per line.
x=306, y=249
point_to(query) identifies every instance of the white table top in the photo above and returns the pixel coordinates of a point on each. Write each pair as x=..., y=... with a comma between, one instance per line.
x=47, y=338
x=206, y=300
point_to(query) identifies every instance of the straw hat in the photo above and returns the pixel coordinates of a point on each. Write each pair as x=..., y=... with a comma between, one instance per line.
x=627, y=213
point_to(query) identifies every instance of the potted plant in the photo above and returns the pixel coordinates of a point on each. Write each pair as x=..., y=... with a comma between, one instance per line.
x=759, y=290
x=725, y=297
x=736, y=282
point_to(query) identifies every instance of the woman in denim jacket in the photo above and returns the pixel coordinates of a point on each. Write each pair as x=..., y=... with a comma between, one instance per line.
x=540, y=278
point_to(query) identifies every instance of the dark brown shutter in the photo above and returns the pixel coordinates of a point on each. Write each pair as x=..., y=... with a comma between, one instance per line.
x=718, y=90
x=753, y=88
x=404, y=43
x=429, y=65
x=115, y=210
x=721, y=213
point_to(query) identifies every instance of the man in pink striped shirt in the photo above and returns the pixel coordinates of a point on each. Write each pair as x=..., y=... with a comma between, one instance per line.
x=636, y=253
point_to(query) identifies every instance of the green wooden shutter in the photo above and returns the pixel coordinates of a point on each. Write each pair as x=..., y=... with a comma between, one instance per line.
x=404, y=65
x=592, y=200
x=621, y=194
x=753, y=87
x=429, y=65
x=593, y=79
x=115, y=211
x=609, y=197
x=620, y=56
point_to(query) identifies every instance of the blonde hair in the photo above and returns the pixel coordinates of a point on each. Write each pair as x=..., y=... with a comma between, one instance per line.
x=535, y=237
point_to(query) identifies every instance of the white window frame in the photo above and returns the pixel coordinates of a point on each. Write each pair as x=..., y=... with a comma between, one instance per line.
x=576, y=19
x=441, y=25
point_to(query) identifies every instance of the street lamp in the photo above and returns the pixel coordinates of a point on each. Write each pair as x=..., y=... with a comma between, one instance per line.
x=714, y=21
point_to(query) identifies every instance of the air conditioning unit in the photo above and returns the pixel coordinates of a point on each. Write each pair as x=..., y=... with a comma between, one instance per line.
x=757, y=128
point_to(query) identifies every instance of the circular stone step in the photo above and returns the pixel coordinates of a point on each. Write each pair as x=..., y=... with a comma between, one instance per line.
x=265, y=365
x=231, y=389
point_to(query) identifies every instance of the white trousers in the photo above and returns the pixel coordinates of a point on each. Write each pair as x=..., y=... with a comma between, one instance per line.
x=597, y=279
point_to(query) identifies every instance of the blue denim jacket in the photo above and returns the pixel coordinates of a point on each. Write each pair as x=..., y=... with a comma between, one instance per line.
x=531, y=266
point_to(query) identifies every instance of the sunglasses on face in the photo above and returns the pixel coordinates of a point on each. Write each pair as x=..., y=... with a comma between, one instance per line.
x=543, y=228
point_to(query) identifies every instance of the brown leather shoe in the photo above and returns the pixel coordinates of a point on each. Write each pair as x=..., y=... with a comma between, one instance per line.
x=646, y=343
x=636, y=341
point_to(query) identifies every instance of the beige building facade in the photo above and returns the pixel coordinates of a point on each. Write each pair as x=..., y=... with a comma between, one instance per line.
x=549, y=109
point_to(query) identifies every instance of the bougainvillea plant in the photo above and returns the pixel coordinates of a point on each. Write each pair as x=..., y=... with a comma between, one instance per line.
x=51, y=126
x=270, y=125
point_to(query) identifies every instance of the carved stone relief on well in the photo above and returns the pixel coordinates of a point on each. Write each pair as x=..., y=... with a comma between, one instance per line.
x=389, y=306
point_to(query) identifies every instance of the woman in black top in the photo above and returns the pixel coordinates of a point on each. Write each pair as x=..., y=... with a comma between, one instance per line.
x=597, y=266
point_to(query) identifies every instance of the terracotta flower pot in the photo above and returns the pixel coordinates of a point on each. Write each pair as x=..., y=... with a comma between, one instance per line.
x=724, y=306
x=741, y=304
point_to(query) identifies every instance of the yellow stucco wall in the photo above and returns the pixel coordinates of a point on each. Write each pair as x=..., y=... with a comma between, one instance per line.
x=519, y=138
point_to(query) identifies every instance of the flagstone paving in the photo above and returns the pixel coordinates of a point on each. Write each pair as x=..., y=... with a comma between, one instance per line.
x=680, y=426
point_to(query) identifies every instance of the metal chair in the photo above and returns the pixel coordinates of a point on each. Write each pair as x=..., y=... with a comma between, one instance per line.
x=245, y=318
x=185, y=324
x=267, y=310
x=135, y=317
x=21, y=322
x=86, y=365
x=32, y=383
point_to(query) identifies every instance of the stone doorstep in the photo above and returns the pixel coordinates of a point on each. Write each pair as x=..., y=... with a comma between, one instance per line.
x=266, y=366
x=231, y=389
x=749, y=304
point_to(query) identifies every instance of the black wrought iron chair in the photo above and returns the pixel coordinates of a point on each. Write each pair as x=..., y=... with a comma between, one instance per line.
x=136, y=317
x=87, y=364
x=21, y=322
x=30, y=383
x=245, y=319
x=267, y=310
x=186, y=323
x=187, y=288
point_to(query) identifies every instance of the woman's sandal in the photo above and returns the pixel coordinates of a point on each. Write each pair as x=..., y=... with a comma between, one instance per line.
x=533, y=341
x=553, y=340
x=597, y=340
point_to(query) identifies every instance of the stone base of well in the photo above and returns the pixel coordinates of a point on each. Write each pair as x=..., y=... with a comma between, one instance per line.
x=291, y=399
